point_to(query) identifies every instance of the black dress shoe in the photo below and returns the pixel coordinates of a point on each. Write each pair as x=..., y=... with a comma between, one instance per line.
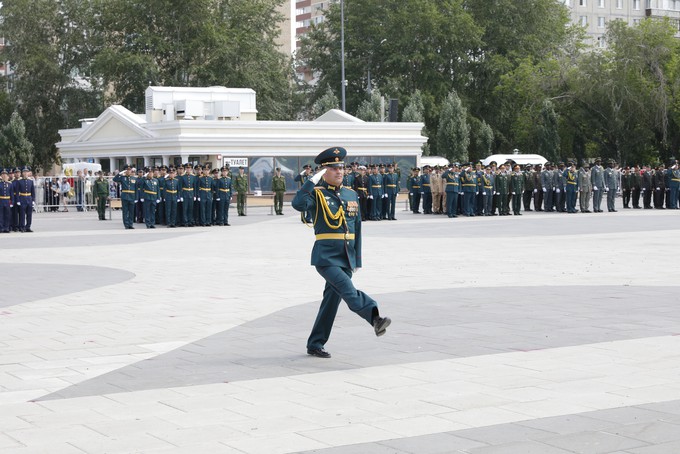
x=380, y=325
x=318, y=352
x=28, y=230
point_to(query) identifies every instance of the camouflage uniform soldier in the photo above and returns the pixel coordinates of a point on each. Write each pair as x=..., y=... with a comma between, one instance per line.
x=279, y=188
x=241, y=186
x=100, y=194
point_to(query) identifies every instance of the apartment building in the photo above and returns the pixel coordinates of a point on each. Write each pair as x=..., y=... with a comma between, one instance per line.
x=595, y=14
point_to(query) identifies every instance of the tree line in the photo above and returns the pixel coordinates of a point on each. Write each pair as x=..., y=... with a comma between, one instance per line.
x=484, y=77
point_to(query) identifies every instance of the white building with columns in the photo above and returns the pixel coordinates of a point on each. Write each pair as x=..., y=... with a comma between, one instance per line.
x=219, y=125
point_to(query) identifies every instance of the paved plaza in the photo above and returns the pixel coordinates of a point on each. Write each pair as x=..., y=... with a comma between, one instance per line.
x=545, y=333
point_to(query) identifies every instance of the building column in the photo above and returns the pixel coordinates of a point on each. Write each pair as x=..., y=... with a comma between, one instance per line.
x=128, y=160
x=147, y=161
x=166, y=160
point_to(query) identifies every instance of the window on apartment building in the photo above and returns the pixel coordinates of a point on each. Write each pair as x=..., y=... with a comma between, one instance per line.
x=636, y=4
x=305, y=10
x=583, y=20
x=581, y=2
x=600, y=22
x=619, y=4
x=600, y=3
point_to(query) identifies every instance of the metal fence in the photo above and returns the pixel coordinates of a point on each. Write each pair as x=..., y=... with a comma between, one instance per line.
x=66, y=193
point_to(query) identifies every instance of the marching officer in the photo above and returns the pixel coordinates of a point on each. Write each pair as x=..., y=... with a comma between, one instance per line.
x=6, y=201
x=100, y=194
x=149, y=196
x=279, y=189
x=241, y=187
x=337, y=249
x=24, y=195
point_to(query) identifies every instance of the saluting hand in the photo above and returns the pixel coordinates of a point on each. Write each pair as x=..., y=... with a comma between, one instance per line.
x=317, y=176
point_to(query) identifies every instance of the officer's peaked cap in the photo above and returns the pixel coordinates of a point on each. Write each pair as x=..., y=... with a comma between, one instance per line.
x=331, y=157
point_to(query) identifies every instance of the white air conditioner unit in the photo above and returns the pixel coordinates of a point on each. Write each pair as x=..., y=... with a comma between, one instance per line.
x=190, y=108
x=227, y=109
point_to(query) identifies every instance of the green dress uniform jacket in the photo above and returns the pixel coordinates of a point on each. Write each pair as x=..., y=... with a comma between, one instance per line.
x=240, y=184
x=279, y=189
x=100, y=193
x=337, y=224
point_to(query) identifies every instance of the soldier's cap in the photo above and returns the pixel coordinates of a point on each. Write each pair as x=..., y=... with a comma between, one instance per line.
x=278, y=169
x=3, y=170
x=206, y=166
x=214, y=171
x=171, y=169
x=197, y=166
x=242, y=168
x=586, y=166
x=417, y=169
x=598, y=160
x=331, y=157
x=141, y=170
x=226, y=165
x=528, y=166
x=224, y=168
x=26, y=168
x=98, y=172
x=570, y=163
x=127, y=166
x=164, y=167
x=156, y=168
x=390, y=166
x=146, y=169
x=561, y=164
x=306, y=166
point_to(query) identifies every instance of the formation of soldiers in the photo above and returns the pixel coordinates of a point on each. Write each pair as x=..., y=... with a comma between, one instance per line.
x=185, y=196
x=477, y=190
x=17, y=199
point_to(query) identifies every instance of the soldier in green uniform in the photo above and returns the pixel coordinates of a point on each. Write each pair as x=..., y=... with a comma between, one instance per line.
x=517, y=189
x=571, y=190
x=626, y=186
x=100, y=194
x=451, y=180
x=337, y=249
x=502, y=187
x=160, y=175
x=241, y=186
x=528, y=187
x=205, y=197
x=149, y=196
x=215, y=195
x=128, y=195
x=171, y=193
x=279, y=189
x=223, y=197
x=180, y=205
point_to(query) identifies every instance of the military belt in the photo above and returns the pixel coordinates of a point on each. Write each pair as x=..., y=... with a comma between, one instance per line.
x=426, y=184
x=224, y=190
x=488, y=187
x=205, y=189
x=675, y=179
x=362, y=189
x=171, y=191
x=4, y=197
x=452, y=184
x=150, y=192
x=129, y=191
x=25, y=194
x=376, y=186
x=416, y=187
x=188, y=189
x=335, y=236
x=470, y=184
x=571, y=182
x=391, y=185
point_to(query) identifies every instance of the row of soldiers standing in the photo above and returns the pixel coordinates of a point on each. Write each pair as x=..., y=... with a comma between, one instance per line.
x=17, y=198
x=185, y=197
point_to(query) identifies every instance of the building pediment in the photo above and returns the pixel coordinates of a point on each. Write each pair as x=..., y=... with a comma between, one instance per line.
x=115, y=123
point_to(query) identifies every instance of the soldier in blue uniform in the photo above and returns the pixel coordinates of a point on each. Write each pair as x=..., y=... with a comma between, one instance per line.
x=468, y=181
x=452, y=188
x=6, y=201
x=361, y=188
x=188, y=185
x=24, y=195
x=413, y=187
x=376, y=192
x=128, y=195
x=391, y=181
x=337, y=249
x=149, y=196
x=205, y=182
x=171, y=192
x=223, y=197
x=426, y=190
x=14, y=223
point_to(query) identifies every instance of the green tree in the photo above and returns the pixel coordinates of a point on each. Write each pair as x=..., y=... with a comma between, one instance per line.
x=481, y=139
x=372, y=109
x=414, y=112
x=325, y=103
x=198, y=43
x=453, y=135
x=15, y=148
x=548, y=139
